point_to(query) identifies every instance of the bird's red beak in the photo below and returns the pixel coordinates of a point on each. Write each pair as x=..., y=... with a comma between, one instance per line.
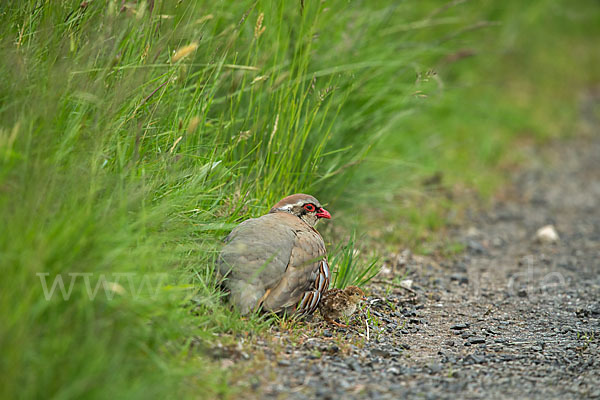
x=323, y=213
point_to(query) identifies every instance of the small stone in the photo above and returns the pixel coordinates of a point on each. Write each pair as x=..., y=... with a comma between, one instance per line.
x=522, y=293
x=406, y=284
x=354, y=366
x=547, y=234
x=283, y=363
x=409, y=313
x=458, y=327
x=474, y=359
x=461, y=266
x=435, y=368
x=476, y=340
x=475, y=247
x=380, y=353
x=403, y=258
x=385, y=271
x=473, y=232
x=393, y=371
x=460, y=278
x=449, y=343
x=342, y=383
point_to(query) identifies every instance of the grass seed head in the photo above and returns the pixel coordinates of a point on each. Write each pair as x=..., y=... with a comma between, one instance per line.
x=184, y=52
x=258, y=28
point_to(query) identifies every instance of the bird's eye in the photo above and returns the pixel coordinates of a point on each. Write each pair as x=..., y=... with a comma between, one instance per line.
x=309, y=207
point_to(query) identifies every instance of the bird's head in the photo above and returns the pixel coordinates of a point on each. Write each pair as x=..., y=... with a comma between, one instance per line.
x=355, y=294
x=304, y=206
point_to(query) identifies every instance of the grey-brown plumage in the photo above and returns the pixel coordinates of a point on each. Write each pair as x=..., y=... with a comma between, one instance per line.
x=338, y=303
x=278, y=261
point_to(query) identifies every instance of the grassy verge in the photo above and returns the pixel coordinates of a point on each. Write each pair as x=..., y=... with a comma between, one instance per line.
x=134, y=135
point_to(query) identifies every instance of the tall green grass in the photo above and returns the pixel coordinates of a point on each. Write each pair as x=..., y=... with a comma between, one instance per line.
x=134, y=136
x=350, y=267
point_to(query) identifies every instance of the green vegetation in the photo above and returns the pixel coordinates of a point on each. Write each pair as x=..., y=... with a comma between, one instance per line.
x=134, y=135
x=349, y=267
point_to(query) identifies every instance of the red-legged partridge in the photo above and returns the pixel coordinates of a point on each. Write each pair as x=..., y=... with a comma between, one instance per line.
x=278, y=262
x=337, y=303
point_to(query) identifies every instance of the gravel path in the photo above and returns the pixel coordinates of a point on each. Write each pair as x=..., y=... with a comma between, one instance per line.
x=511, y=317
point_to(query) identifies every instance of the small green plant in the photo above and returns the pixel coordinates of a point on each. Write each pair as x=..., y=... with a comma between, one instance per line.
x=348, y=269
x=391, y=305
x=586, y=338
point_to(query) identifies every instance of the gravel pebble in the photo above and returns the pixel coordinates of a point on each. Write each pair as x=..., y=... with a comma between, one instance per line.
x=476, y=340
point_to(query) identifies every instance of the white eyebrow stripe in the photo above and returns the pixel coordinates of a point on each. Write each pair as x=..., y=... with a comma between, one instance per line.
x=290, y=206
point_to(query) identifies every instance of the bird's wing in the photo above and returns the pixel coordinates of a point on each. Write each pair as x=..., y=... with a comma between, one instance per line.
x=256, y=257
x=302, y=273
